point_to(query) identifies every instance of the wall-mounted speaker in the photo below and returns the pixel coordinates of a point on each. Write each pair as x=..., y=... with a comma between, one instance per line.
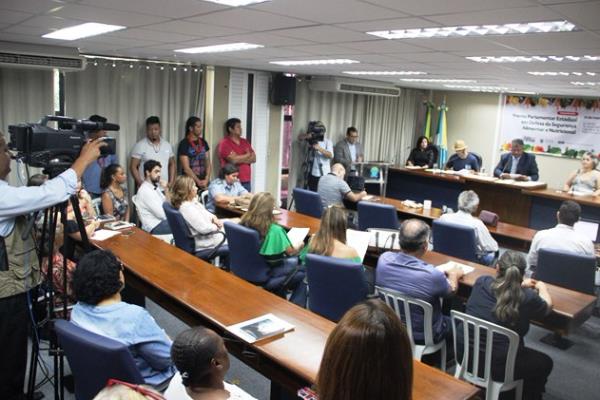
x=283, y=90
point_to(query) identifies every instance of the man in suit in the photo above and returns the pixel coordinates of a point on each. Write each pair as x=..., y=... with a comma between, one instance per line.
x=348, y=151
x=517, y=164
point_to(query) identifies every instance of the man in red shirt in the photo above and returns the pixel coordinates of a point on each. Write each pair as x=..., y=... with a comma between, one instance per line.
x=236, y=150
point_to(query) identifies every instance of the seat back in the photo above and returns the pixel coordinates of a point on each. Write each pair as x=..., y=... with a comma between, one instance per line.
x=454, y=240
x=403, y=305
x=308, y=203
x=373, y=215
x=204, y=197
x=244, y=258
x=94, y=359
x=334, y=285
x=97, y=204
x=569, y=270
x=479, y=159
x=181, y=233
x=137, y=210
x=478, y=336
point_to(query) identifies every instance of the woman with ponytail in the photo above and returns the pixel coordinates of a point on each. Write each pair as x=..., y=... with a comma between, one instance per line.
x=202, y=360
x=512, y=301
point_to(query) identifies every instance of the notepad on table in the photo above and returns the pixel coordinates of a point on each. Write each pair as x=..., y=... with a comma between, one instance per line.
x=260, y=328
x=453, y=264
x=103, y=234
x=297, y=235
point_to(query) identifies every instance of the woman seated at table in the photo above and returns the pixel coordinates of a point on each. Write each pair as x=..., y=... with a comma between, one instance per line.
x=275, y=246
x=586, y=180
x=204, y=226
x=512, y=301
x=114, y=195
x=330, y=240
x=422, y=155
x=367, y=356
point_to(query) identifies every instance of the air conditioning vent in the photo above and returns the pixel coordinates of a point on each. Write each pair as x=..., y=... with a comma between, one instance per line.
x=377, y=91
x=43, y=57
x=354, y=86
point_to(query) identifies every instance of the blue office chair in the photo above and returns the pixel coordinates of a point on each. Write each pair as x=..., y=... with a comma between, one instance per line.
x=185, y=241
x=308, y=203
x=479, y=159
x=246, y=262
x=455, y=240
x=373, y=215
x=334, y=285
x=94, y=359
x=569, y=270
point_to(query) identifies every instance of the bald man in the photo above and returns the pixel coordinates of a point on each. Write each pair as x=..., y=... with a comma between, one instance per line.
x=333, y=189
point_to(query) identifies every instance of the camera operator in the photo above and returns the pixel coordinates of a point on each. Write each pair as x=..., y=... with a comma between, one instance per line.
x=319, y=161
x=19, y=269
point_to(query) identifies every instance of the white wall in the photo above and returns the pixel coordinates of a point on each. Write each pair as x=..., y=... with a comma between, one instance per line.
x=473, y=117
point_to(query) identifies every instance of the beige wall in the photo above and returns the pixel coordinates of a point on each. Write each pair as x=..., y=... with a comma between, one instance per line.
x=274, y=151
x=473, y=117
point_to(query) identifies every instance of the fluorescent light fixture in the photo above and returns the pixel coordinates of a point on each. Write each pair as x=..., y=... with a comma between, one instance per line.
x=519, y=59
x=586, y=83
x=315, y=62
x=385, y=73
x=220, y=48
x=236, y=3
x=83, y=31
x=438, y=80
x=554, y=73
x=475, y=88
x=476, y=30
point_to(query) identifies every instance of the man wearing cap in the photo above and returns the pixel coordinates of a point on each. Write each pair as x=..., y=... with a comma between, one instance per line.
x=462, y=159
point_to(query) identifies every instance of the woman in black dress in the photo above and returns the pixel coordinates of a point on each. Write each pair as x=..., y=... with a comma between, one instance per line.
x=422, y=155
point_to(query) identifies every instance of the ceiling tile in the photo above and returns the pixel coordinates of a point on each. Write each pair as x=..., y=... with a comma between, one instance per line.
x=274, y=53
x=146, y=34
x=456, y=44
x=325, y=34
x=585, y=15
x=436, y=7
x=266, y=39
x=504, y=16
x=551, y=41
x=12, y=17
x=103, y=15
x=50, y=22
x=194, y=29
x=250, y=20
x=389, y=24
x=32, y=6
x=325, y=49
x=384, y=46
x=171, y=9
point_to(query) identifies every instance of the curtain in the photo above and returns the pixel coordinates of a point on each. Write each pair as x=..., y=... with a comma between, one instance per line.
x=128, y=93
x=26, y=95
x=387, y=125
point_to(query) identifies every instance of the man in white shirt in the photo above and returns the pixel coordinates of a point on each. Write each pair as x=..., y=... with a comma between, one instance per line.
x=149, y=200
x=152, y=147
x=562, y=236
x=468, y=202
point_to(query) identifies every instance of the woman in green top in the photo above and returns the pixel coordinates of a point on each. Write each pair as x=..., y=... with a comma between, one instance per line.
x=276, y=246
x=330, y=240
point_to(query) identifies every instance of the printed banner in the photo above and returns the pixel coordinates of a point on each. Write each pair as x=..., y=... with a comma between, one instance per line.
x=560, y=126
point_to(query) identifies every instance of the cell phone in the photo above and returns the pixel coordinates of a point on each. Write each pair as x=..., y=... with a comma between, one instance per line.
x=307, y=393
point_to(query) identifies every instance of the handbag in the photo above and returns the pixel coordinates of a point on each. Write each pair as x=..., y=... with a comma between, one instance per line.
x=489, y=218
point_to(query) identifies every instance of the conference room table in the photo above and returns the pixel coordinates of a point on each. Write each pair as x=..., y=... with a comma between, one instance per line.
x=200, y=293
x=527, y=204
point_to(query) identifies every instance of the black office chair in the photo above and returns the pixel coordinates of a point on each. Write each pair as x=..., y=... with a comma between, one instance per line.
x=455, y=240
x=479, y=159
x=569, y=270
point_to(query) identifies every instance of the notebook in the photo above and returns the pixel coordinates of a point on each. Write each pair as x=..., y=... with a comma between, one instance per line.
x=260, y=328
x=452, y=264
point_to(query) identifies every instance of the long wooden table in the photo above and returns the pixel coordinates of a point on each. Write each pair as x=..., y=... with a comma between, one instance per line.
x=199, y=293
x=545, y=204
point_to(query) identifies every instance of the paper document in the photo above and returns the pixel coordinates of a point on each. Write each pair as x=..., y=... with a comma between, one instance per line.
x=384, y=239
x=104, y=234
x=297, y=235
x=452, y=264
x=530, y=183
x=368, y=197
x=259, y=328
x=506, y=181
x=415, y=167
x=359, y=241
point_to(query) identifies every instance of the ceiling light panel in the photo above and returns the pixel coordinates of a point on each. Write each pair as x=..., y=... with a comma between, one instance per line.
x=586, y=84
x=520, y=59
x=554, y=73
x=438, y=80
x=385, y=73
x=314, y=62
x=83, y=31
x=476, y=30
x=475, y=88
x=220, y=48
x=236, y=3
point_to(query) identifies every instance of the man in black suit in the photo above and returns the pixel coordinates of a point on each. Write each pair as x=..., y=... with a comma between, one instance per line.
x=517, y=164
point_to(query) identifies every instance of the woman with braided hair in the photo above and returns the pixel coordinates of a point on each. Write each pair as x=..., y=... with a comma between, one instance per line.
x=510, y=300
x=202, y=360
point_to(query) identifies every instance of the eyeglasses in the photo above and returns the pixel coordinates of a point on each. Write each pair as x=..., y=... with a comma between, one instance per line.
x=138, y=388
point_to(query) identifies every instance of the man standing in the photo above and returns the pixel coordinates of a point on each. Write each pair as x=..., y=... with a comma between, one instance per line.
x=333, y=189
x=19, y=269
x=152, y=147
x=348, y=151
x=91, y=175
x=193, y=153
x=405, y=272
x=236, y=150
x=150, y=198
x=517, y=164
x=462, y=159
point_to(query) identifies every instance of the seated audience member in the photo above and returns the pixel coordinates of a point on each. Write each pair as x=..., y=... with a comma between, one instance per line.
x=149, y=200
x=367, y=356
x=98, y=281
x=468, y=202
x=114, y=195
x=330, y=240
x=562, y=237
x=86, y=207
x=276, y=245
x=194, y=153
x=118, y=390
x=517, y=164
x=202, y=360
x=405, y=272
x=226, y=188
x=585, y=180
x=204, y=226
x=511, y=301
x=422, y=155
x=462, y=159
x=333, y=189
